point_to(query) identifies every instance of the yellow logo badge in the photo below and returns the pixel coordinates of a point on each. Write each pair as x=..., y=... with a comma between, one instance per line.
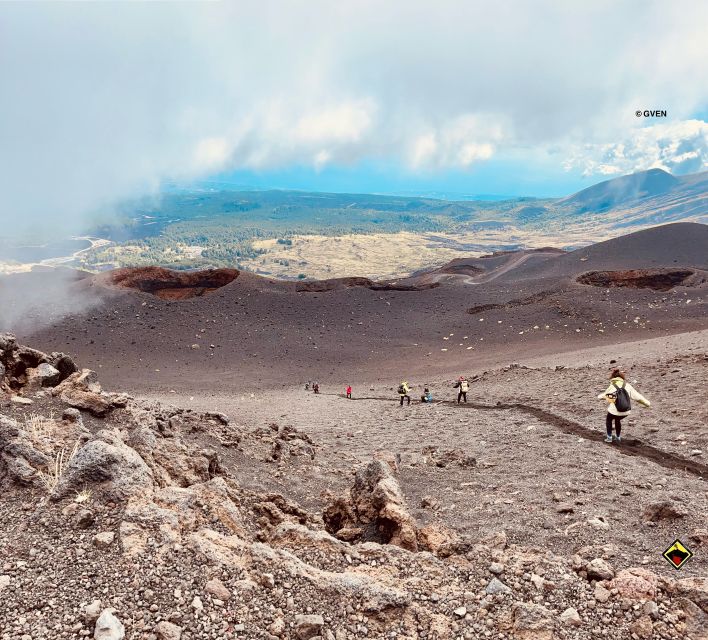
x=677, y=554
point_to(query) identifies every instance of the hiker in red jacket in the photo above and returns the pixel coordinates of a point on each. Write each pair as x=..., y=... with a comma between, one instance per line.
x=349, y=391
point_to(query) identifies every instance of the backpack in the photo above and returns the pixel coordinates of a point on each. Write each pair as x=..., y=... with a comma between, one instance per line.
x=464, y=386
x=622, y=402
x=401, y=389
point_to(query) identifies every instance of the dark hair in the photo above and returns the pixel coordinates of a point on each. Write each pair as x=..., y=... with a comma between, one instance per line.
x=616, y=373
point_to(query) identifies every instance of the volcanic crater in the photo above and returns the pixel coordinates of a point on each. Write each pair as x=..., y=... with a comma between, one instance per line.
x=173, y=285
x=656, y=279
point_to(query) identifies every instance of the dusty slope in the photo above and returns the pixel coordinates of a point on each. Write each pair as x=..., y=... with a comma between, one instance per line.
x=256, y=332
x=573, y=529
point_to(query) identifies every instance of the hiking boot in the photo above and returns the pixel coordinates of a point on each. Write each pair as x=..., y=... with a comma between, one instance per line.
x=618, y=439
x=608, y=439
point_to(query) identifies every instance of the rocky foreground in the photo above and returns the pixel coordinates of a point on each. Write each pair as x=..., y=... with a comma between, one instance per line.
x=123, y=518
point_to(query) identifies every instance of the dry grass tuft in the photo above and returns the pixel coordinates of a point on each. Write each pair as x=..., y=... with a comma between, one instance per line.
x=40, y=427
x=50, y=479
x=83, y=496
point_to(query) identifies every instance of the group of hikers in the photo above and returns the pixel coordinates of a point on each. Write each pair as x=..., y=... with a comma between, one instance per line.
x=404, y=390
x=619, y=396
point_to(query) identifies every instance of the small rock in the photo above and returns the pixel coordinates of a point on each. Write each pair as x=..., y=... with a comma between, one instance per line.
x=651, y=609
x=663, y=510
x=496, y=568
x=108, y=627
x=197, y=604
x=4, y=582
x=217, y=588
x=308, y=626
x=601, y=594
x=92, y=611
x=496, y=586
x=599, y=569
x=104, y=539
x=461, y=612
x=570, y=617
x=643, y=627
x=599, y=523
x=168, y=631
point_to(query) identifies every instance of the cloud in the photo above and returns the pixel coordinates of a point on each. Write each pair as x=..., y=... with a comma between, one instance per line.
x=105, y=101
x=678, y=147
x=459, y=143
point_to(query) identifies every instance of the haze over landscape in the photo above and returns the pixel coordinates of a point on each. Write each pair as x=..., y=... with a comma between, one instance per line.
x=308, y=313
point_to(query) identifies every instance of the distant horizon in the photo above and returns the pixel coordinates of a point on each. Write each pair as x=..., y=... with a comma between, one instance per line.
x=432, y=194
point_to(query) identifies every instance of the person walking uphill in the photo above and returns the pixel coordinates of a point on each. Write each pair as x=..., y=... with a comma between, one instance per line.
x=464, y=387
x=404, y=391
x=619, y=396
x=349, y=391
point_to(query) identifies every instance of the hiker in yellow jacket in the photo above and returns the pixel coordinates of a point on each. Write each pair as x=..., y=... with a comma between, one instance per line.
x=619, y=396
x=404, y=391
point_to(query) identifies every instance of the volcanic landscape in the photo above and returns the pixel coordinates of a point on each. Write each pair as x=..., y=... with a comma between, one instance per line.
x=201, y=491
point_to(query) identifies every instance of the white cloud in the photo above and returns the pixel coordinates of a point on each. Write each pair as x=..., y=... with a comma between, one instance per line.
x=678, y=147
x=459, y=143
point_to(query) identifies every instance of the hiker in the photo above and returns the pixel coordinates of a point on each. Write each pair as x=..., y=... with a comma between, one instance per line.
x=619, y=396
x=404, y=392
x=464, y=387
x=427, y=397
x=316, y=387
x=307, y=385
x=349, y=391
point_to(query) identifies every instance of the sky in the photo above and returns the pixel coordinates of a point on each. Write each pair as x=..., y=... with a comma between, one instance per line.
x=106, y=101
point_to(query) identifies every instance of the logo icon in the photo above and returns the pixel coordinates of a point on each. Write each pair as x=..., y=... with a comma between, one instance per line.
x=677, y=554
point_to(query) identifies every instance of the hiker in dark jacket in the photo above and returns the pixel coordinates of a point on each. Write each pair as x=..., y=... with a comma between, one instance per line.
x=619, y=396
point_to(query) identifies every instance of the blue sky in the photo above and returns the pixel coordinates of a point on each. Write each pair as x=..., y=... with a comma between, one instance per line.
x=106, y=101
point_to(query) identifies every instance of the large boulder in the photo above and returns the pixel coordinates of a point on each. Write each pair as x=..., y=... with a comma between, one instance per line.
x=374, y=510
x=635, y=584
x=95, y=403
x=663, y=510
x=108, y=465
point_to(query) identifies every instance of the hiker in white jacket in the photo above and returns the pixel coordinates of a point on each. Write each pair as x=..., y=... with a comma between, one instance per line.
x=619, y=396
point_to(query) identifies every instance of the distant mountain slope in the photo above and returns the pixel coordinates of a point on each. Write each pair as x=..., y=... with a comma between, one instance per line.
x=682, y=244
x=618, y=191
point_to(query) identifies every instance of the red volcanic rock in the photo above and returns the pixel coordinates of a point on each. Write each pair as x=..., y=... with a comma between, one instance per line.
x=173, y=285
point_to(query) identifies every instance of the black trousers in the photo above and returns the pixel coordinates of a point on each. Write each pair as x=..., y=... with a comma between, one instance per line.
x=405, y=396
x=463, y=395
x=618, y=423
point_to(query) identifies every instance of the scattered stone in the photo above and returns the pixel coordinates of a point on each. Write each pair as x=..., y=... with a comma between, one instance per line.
x=168, y=631
x=461, y=612
x=532, y=622
x=599, y=523
x=635, y=584
x=104, y=539
x=217, y=588
x=308, y=626
x=496, y=586
x=108, y=627
x=496, y=568
x=570, y=617
x=642, y=627
x=92, y=611
x=599, y=569
x=663, y=510
x=601, y=594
